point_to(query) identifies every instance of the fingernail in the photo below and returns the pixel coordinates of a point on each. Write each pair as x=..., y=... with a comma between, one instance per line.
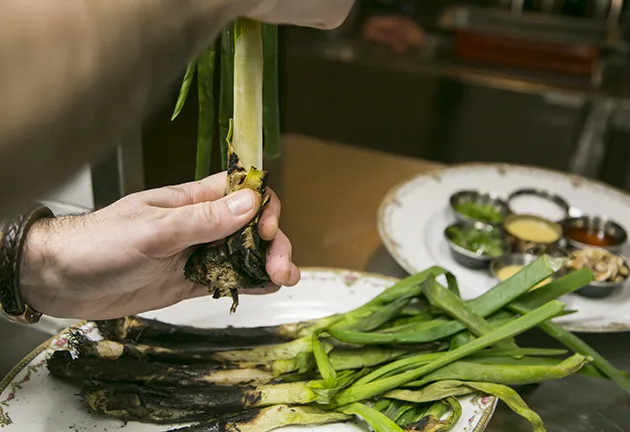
x=240, y=203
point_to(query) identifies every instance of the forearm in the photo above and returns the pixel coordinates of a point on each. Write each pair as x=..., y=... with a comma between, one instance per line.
x=76, y=74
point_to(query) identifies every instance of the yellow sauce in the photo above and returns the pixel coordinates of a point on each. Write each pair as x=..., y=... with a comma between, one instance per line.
x=509, y=271
x=533, y=230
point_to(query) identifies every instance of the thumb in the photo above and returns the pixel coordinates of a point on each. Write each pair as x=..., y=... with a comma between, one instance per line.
x=213, y=220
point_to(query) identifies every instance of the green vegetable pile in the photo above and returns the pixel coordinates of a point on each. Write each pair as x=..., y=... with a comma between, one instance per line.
x=480, y=212
x=399, y=362
x=487, y=241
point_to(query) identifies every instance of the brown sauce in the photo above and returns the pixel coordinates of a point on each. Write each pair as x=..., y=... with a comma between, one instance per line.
x=592, y=238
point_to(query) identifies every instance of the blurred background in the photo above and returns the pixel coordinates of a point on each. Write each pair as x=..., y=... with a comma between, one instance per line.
x=402, y=87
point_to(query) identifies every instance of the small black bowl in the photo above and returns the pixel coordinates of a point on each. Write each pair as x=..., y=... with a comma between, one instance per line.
x=464, y=256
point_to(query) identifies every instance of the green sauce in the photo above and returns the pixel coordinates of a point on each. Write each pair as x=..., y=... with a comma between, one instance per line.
x=480, y=212
x=485, y=242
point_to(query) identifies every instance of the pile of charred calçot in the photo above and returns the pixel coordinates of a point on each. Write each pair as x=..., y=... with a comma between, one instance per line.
x=399, y=362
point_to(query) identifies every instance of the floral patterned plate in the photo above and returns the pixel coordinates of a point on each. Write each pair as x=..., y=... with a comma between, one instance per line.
x=31, y=400
x=413, y=216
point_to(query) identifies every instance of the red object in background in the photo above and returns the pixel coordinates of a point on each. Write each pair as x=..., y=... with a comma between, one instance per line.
x=573, y=59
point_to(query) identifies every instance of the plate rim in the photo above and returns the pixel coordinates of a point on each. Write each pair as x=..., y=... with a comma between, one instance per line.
x=481, y=426
x=392, y=246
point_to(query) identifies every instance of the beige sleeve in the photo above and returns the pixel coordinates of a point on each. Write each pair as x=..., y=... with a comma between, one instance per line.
x=76, y=74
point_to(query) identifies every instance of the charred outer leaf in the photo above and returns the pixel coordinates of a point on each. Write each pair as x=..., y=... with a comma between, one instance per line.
x=239, y=261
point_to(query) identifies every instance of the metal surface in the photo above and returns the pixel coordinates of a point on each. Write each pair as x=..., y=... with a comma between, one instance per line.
x=591, y=147
x=460, y=254
x=574, y=404
x=462, y=111
x=436, y=58
x=599, y=225
x=510, y=259
x=555, y=199
x=480, y=198
x=530, y=26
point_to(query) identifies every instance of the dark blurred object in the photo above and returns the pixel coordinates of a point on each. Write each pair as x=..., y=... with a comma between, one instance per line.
x=398, y=32
x=568, y=40
x=576, y=8
x=573, y=59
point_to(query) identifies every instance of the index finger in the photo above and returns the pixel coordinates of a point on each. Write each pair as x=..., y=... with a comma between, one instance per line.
x=210, y=188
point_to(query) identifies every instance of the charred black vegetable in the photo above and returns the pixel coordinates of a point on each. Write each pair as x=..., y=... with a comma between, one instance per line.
x=124, y=369
x=366, y=317
x=143, y=330
x=237, y=262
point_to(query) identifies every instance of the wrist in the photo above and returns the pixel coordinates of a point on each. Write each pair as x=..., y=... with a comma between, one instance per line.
x=40, y=275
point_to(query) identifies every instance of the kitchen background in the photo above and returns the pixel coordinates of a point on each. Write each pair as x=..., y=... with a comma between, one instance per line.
x=543, y=82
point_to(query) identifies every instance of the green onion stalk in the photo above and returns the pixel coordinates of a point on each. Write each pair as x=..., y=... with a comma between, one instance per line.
x=108, y=359
x=226, y=95
x=513, y=328
x=271, y=92
x=364, y=318
x=244, y=115
x=206, y=123
x=145, y=402
x=575, y=343
x=183, y=91
x=62, y=365
x=248, y=93
x=239, y=261
x=487, y=304
x=449, y=388
x=456, y=308
x=512, y=375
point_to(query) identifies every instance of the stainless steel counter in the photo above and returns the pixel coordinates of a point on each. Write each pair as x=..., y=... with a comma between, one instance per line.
x=436, y=57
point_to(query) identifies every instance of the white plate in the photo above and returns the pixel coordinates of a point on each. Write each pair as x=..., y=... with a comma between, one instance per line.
x=413, y=216
x=30, y=400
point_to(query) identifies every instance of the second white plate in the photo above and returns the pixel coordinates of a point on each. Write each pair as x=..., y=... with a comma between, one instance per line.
x=413, y=216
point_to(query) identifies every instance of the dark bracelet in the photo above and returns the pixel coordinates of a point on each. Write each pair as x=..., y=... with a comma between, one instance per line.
x=12, y=239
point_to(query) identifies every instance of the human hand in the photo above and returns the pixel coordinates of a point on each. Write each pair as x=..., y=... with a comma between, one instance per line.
x=397, y=32
x=323, y=14
x=129, y=257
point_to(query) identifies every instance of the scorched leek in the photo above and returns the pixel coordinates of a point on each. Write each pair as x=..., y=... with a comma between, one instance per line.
x=238, y=262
